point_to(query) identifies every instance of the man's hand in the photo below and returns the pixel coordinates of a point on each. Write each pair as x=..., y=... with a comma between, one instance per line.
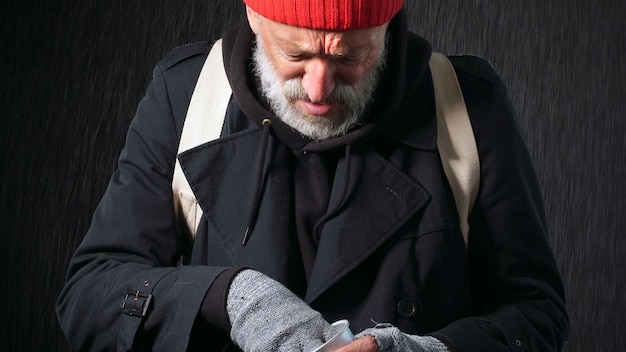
x=389, y=338
x=366, y=343
x=266, y=316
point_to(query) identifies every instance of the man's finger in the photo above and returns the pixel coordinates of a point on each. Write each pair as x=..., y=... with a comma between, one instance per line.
x=366, y=343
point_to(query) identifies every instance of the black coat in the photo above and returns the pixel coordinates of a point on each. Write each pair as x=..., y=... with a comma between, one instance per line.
x=393, y=251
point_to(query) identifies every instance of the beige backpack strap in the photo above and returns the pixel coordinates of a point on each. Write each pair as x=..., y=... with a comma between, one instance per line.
x=203, y=123
x=455, y=139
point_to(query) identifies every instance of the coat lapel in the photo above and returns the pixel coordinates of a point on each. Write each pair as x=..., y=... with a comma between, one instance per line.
x=222, y=175
x=380, y=199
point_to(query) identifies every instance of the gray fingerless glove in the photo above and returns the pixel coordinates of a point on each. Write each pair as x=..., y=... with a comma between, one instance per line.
x=390, y=338
x=266, y=316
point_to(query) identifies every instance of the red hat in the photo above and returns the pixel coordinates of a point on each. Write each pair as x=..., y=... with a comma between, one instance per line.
x=328, y=14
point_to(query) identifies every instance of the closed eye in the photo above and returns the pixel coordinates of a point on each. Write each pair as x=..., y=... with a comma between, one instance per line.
x=297, y=57
x=347, y=60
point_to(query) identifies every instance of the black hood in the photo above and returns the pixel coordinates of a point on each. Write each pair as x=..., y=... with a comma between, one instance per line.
x=398, y=83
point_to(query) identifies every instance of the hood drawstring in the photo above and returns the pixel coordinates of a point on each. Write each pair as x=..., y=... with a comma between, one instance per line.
x=342, y=198
x=256, y=200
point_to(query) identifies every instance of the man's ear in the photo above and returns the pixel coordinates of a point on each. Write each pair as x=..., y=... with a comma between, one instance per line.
x=253, y=19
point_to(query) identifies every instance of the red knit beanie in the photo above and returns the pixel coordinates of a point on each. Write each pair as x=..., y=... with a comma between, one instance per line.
x=328, y=14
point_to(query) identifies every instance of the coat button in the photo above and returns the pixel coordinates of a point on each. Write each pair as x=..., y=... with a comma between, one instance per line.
x=407, y=308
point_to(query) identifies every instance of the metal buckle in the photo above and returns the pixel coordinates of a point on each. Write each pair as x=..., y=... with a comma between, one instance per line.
x=136, y=304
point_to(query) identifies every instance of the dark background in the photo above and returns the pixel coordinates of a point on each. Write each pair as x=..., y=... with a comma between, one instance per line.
x=72, y=73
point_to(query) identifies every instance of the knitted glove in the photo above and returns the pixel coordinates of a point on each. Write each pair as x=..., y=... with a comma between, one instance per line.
x=266, y=316
x=390, y=338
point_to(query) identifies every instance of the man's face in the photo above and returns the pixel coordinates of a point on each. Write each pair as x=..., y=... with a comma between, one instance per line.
x=318, y=82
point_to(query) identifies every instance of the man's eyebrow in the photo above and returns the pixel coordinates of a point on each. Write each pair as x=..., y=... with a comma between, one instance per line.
x=355, y=51
x=294, y=48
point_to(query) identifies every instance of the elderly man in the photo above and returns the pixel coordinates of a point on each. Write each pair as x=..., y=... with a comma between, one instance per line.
x=323, y=199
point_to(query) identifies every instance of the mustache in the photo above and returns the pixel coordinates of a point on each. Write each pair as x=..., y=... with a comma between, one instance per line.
x=293, y=90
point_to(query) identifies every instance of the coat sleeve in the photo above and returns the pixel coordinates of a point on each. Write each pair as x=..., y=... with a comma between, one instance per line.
x=124, y=288
x=517, y=293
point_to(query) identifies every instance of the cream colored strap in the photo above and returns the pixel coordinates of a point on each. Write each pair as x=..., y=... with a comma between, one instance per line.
x=203, y=123
x=455, y=139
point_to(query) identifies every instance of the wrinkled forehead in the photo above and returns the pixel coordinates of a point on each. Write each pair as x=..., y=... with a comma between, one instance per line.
x=299, y=41
x=328, y=14
x=307, y=39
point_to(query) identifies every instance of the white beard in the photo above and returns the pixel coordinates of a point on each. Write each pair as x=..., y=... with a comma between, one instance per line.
x=354, y=100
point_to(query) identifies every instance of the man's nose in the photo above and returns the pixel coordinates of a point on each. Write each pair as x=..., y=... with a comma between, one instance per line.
x=318, y=79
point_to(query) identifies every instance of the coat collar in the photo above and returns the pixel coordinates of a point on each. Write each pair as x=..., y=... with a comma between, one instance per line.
x=380, y=198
